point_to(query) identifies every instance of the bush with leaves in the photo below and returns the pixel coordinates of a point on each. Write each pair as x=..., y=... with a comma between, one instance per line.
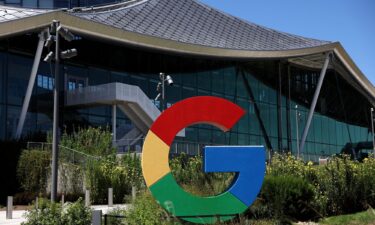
x=188, y=172
x=287, y=197
x=76, y=214
x=98, y=165
x=33, y=170
x=92, y=141
x=121, y=174
x=48, y=213
x=345, y=185
x=116, y=216
x=146, y=211
x=289, y=165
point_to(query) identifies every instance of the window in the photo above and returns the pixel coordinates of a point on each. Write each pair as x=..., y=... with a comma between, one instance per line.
x=30, y=3
x=44, y=81
x=204, y=80
x=76, y=83
x=2, y=78
x=217, y=81
x=13, y=1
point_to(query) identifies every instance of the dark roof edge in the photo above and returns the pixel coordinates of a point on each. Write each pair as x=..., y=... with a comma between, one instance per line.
x=27, y=24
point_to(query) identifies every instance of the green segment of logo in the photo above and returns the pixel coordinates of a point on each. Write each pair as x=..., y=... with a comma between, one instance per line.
x=205, y=210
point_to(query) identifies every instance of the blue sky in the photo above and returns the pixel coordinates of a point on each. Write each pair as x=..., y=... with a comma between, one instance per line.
x=352, y=22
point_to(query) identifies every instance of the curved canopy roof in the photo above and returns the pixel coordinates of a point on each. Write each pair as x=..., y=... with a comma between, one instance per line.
x=190, y=21
x=186, y=27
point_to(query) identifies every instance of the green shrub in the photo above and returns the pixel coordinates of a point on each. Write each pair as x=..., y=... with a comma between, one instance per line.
x=146, y=211
x=342, y=183
x=76, y=214
x=289, y=165
x=33, y=169
x=287, y=197
x=97, y=165
x=188, y=172
x=49, y=213
x=342, y=186
x=366, y=171
x=92, y=141
x=113, y=220
x=121, y=175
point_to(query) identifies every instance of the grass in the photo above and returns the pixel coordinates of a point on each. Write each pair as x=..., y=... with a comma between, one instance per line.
x=362, y=218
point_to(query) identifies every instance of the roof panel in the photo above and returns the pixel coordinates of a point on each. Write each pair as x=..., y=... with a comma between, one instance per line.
x=13, y=13
x=192, y=22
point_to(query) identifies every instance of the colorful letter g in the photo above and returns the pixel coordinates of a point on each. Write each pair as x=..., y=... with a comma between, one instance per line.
x=248, y=162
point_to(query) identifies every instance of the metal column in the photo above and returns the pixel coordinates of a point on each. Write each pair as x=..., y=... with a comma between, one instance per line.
x=55, y=130
x=114, y=125
x=279, y=116
x=314, y=101
x=288, y=113
x=30, y=86
x=257, y=111
x=297, y=130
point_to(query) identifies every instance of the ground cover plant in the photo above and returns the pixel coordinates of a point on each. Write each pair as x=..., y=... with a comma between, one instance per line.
x=361, y=218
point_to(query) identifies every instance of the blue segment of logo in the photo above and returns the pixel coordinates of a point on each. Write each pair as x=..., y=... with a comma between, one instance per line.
x=247, y=161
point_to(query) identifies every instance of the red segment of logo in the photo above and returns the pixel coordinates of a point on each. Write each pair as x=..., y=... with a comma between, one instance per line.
x=202, y=109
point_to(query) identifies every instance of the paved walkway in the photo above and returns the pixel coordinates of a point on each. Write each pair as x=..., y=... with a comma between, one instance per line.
x=18, y=218
x=19, y=215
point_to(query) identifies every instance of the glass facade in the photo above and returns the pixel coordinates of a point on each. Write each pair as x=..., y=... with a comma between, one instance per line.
x=192, y=77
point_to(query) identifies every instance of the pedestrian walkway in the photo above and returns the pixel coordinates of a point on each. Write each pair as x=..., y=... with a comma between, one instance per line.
x=19, y=215
x=18, y=218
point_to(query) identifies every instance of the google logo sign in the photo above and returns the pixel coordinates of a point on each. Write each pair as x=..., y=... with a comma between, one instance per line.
x=247, y=161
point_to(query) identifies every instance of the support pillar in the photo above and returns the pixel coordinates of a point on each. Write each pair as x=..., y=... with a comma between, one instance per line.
x=87, y=198
x=288, y=124
x=257, y=112
x=110, y=197
x=9, y=213
x=114, y=128
x=56, y=112
x=314, y=101
x=279, y=117
x=30, y=86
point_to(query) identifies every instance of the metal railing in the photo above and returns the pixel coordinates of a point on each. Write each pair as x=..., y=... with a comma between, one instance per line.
x=67, y=154
x=177, y=148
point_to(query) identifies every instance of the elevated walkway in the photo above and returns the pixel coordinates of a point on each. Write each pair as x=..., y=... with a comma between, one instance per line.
x=130, y=99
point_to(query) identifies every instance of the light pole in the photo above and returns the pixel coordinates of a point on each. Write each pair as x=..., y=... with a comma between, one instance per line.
x=57, y=30
x=55, y=141
x=297, y=129
x=372, y=131
x=161, y=88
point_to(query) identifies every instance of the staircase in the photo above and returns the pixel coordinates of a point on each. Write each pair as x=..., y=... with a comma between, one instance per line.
x=130, y=99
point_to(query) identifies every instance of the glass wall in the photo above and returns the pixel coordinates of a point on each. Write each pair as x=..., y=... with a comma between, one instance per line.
x=326, y=137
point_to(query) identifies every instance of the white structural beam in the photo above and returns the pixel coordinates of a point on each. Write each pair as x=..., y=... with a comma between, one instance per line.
x=34, y=70
x=314, y=101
